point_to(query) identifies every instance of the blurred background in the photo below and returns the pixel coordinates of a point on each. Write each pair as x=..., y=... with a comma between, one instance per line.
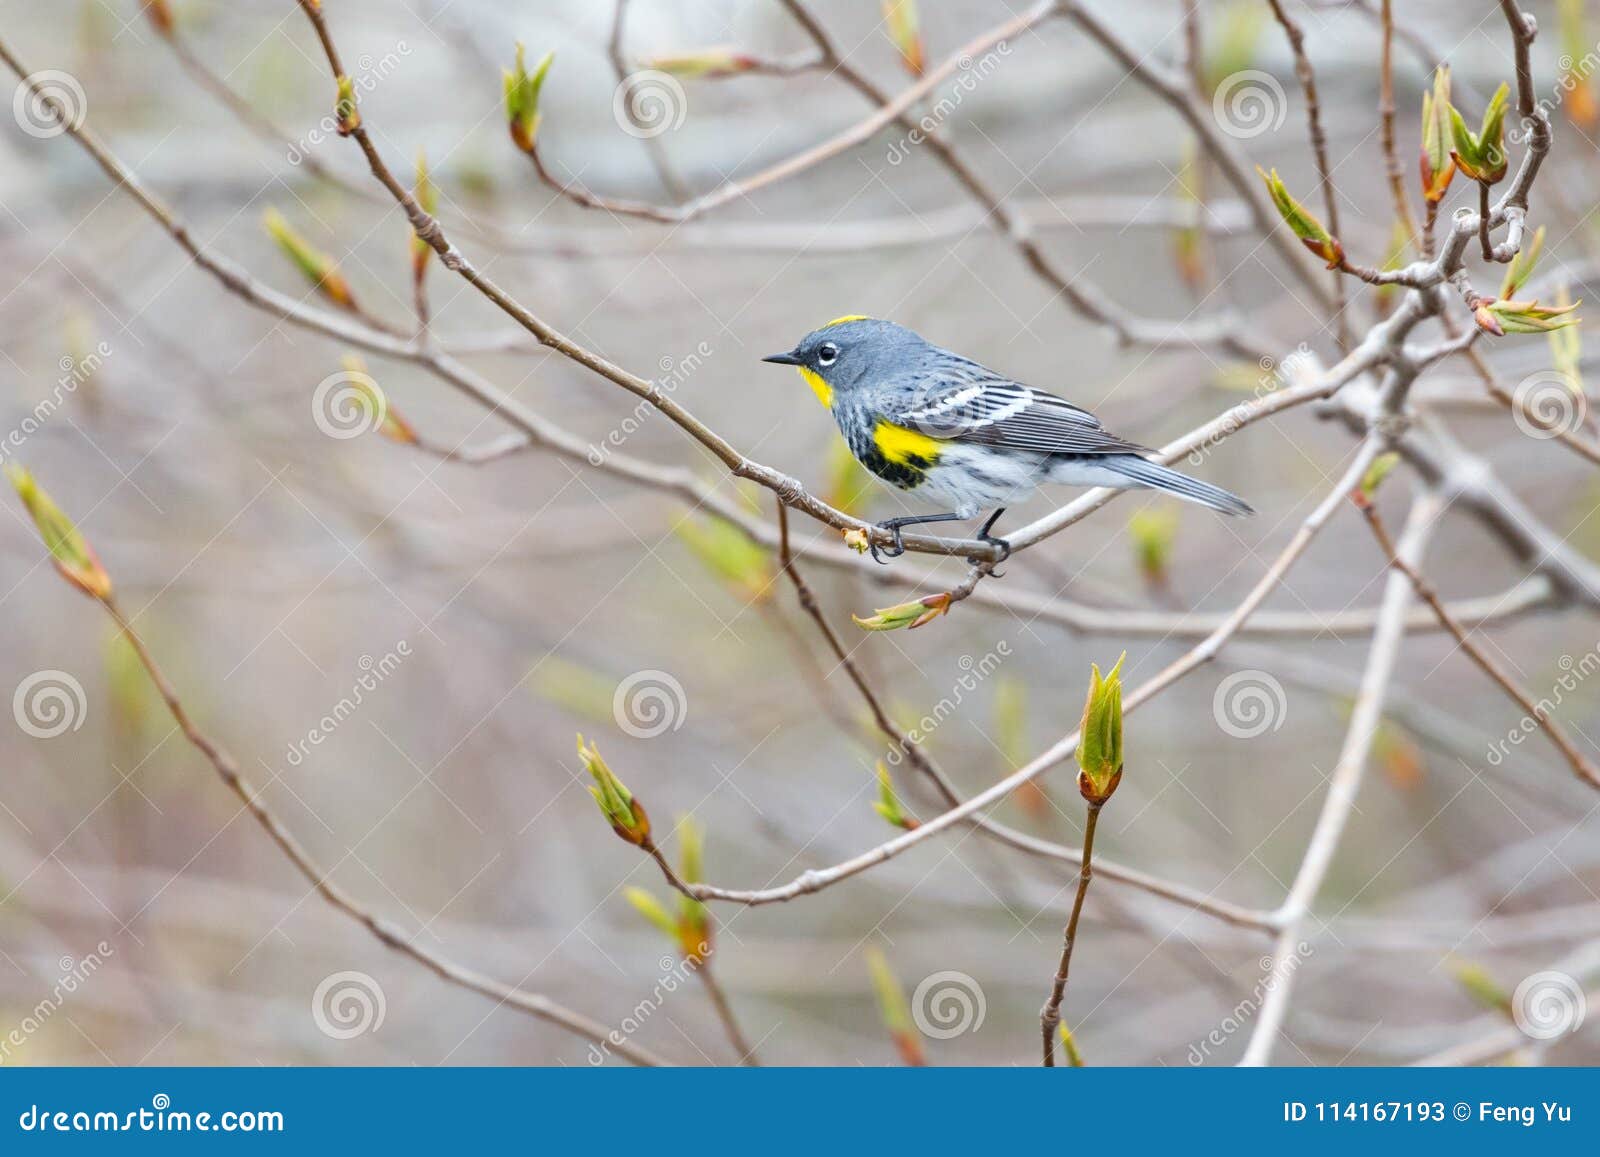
x=443, y=629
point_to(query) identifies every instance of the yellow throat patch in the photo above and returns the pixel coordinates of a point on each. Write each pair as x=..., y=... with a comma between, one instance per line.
x=900, y=445
x=819, y=387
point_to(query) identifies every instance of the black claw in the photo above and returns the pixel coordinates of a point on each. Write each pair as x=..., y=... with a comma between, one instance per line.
x=881, y=554
x=1005, y=553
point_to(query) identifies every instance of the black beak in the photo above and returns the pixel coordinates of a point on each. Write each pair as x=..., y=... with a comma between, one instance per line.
x=784, y=360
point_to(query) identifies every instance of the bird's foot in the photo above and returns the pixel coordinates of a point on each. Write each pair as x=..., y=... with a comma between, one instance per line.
x=882, y=554
x=999, y=544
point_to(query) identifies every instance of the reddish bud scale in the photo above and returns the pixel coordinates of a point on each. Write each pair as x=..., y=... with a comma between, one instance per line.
x=334, y=285
x=638, y=833
x=937, y=605
x=1086, y=787
x=160, y=14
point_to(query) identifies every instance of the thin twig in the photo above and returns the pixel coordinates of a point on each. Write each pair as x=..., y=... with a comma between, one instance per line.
x=1386, y=117
x=1580, y=764
x=1319, y=150
x=1343, y=785
x=730, y=1024
x=387, y=933
x=1050, y=1015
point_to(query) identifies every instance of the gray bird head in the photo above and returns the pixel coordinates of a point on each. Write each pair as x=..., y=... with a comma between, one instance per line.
x=852, y=352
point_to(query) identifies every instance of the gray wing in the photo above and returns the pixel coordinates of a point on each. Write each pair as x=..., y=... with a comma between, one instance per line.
x=964, y=402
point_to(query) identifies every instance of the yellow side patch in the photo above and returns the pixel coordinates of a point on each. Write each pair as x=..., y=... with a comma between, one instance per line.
x=845, y=318
x=899, y=445
x=819, y=387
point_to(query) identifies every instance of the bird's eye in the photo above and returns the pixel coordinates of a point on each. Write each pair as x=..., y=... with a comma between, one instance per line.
x=828, y=354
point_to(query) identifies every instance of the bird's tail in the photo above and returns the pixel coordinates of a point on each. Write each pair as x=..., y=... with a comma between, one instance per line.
x=1143, y=472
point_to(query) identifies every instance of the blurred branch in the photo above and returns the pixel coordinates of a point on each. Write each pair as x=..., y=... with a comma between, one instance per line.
x=1202, y=122
x=1083, y=296
x=1581, y=766
x=387, y=933
x=1386, y=115
x=652, y=143
x=1343, y=784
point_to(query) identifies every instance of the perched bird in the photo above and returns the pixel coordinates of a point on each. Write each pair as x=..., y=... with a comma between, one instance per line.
x=941, y=426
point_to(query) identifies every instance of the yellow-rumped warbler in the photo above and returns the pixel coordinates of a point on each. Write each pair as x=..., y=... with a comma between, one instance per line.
x=934, y=423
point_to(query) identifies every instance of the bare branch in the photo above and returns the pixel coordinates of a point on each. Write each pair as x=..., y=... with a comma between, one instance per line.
x=387, y=933
x=1580, y=764
x=1343, y=785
